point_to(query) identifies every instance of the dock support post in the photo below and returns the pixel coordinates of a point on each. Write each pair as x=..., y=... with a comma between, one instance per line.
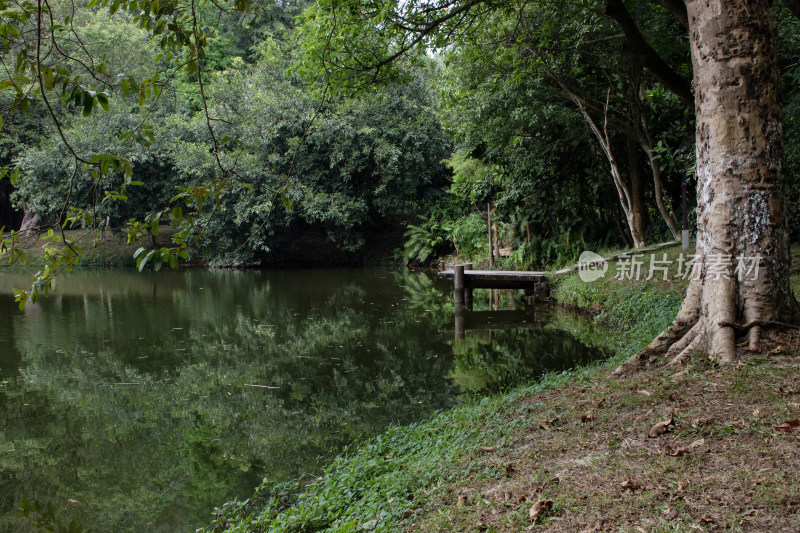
x=467, y=290
x=460, y=323
x=458, y=284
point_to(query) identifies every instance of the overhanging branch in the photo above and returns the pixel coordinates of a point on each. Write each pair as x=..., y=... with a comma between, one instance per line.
x=648, y=56
x=678, y=10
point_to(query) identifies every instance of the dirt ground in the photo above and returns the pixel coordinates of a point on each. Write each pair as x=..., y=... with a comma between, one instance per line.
x=588, y=457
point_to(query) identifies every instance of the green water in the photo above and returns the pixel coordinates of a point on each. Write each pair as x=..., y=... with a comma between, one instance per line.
x=139, y=402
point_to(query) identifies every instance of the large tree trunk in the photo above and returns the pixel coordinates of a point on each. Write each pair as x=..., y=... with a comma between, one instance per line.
x=30, y=221
x=740, y=186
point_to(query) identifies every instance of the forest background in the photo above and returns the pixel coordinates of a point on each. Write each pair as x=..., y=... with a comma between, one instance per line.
x=540, y=133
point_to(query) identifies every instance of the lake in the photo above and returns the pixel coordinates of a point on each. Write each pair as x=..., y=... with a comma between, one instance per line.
x=140, y=401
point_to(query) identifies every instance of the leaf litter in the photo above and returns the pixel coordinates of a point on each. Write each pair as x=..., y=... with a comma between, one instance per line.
x=709, y=454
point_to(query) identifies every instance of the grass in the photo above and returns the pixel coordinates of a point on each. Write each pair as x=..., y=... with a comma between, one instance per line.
x=113, y=251
x=578, y=439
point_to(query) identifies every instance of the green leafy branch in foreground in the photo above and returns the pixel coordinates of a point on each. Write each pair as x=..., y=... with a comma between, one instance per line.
x=67, y=80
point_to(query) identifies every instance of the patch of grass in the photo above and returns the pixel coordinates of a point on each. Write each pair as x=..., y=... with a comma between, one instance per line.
x=113, y=251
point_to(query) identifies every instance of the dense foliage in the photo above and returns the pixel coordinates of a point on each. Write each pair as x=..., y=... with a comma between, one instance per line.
x=287, y=132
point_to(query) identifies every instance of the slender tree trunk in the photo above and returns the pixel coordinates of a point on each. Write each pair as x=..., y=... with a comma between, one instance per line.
x=620, y=228
x=641, y=131
x=740, y=186
x=623, y=191
x=489, y=220
x=638, y=211
x=496, y=240
x=529, y=233
x=659, y=190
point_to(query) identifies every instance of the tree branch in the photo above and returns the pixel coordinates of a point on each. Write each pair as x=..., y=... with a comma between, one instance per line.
x=649, y=57
x=678, y=10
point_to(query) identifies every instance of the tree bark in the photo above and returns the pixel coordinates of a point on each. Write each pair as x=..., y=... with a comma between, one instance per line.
x=496, y=240
x=30, y=221
x=638, y=211
x=740, y=185
x=625, y=235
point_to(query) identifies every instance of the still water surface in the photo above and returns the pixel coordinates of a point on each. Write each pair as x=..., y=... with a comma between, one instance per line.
x=138, y=402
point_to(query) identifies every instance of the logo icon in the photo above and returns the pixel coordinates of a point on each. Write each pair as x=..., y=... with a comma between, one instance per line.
x=591, y=266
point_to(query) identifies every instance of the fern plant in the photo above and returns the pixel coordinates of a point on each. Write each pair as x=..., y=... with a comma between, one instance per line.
x=429, y=238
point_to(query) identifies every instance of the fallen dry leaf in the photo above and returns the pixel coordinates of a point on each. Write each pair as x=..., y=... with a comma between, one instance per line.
x=789, y=426
x=547, y=425
x=697, y=422
x=681, y=450
x=601, y=403
x=588, y=417
x=660, y=428
x=697, y=443
x=630, y=485
x=677, y=451
x=539, y=508
x=462, y=500
x=487, y=449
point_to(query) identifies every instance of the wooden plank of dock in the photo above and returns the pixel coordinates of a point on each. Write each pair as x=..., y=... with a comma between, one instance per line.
x=497, y=279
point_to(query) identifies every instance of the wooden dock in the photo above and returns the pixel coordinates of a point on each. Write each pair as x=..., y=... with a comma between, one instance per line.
x=465, y=279
x=496, y=279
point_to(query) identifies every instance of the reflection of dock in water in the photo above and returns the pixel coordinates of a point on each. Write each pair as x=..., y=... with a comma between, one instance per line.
x=468, y=320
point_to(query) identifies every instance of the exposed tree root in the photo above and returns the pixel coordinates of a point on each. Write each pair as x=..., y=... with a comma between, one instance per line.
x=679, y=341
x=743, y=328
x=657, y=347
x=687, y=344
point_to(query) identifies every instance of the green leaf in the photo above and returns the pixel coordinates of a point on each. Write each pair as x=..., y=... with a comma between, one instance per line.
x=142, y=262
x=102, y=99
x=47, y=78
x=87, y=101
